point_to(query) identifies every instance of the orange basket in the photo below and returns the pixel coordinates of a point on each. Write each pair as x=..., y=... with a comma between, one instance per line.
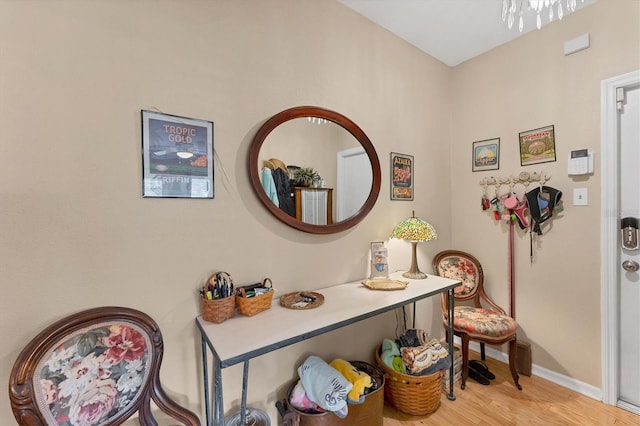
x=251, y=306
x=414, y=395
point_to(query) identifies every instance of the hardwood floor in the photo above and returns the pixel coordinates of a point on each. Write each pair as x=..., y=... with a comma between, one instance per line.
x=539, y=403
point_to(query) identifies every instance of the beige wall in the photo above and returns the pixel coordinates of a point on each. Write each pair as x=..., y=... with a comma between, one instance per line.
x=75, y=231
x=523, y=85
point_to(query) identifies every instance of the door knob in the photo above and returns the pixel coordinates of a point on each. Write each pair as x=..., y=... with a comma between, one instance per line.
x=630, y=266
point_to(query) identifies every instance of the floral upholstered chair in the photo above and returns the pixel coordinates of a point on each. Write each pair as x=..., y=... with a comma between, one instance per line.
x=485, y=324
x=96, y=367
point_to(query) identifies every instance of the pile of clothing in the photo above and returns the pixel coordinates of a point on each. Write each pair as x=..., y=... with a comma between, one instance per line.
x=330, y=387
x=414, y=353
x=275, y=182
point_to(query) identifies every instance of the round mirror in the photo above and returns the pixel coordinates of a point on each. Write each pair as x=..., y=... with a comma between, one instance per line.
x=314, y=169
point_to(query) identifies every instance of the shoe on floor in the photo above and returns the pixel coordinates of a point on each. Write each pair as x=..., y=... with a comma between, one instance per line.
x=482, y=368
x=477, y=376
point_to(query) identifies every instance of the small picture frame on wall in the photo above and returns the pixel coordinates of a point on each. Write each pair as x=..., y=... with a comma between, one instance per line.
x=177, y=156
x=401, y=177
x=486, y=155
x=537, y=146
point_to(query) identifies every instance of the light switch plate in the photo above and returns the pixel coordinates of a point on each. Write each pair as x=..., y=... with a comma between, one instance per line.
x=580, y=197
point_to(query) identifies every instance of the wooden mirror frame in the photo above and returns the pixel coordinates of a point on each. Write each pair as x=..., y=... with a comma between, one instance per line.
x=344, y=122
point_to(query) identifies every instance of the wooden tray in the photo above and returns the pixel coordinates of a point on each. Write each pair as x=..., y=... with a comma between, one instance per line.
x=297, y=300
x=385, y=284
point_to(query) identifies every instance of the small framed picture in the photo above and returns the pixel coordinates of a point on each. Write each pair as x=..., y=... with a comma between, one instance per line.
x=379, y=265
x=177, y=156
x=401, y=177
x=486, y=155
x=537, y=146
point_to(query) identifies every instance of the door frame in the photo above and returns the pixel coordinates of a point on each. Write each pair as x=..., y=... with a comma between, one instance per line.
x=341, y=179
x=609, y=234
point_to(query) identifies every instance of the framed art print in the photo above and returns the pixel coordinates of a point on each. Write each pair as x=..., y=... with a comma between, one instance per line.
x=401, y=177
x=486, y=155
x=537, y=146
x=177, y=156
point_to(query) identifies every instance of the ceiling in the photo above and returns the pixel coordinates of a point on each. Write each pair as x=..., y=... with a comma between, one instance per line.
x=451, y=31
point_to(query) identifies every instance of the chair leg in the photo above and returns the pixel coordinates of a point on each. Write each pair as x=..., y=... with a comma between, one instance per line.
x=465, y=359
x=513, y=348
x=482, y=354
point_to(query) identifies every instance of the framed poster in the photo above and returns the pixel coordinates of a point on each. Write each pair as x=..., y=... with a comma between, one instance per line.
x=537, y=146
x=177, y=156
x=486, y=155
x=401, y=177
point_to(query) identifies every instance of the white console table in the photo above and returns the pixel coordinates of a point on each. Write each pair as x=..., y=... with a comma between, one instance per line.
x=235, y=341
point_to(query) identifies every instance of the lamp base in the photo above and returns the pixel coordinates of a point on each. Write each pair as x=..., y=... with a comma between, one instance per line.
x=414, y=272
x=418, y=275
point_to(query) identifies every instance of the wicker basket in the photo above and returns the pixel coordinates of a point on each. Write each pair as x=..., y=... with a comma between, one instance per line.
x=217, y=310
x=251, y=306
x=414, y=395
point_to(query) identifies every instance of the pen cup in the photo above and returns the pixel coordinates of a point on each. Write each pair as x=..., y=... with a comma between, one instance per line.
x=217, y=310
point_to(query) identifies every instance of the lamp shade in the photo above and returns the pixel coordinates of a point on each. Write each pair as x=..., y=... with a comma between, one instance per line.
x=414, y=230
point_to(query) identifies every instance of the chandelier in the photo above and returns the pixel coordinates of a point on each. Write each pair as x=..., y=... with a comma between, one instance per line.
x=511, y=8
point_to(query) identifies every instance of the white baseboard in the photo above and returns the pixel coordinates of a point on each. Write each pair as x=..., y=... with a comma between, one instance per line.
x=557, y=378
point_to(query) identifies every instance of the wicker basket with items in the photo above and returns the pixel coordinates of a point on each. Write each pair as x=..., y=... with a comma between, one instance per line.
x=413, y=366
x=255, y=298
x=216, y=298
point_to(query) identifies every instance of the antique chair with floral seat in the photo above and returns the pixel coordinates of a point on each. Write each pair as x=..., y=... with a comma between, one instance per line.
x=486, y=324
x=99, y=366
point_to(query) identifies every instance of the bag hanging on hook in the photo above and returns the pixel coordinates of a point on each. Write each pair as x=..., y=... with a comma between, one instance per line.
x=542, y=202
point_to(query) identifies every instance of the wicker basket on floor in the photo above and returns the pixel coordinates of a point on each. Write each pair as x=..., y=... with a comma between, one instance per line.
x=414, y=395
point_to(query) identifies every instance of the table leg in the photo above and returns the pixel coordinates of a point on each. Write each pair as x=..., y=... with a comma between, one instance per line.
x=218, y=409
x=450, y=299
x=243, y=404
x=205, y=373
x=414, y=314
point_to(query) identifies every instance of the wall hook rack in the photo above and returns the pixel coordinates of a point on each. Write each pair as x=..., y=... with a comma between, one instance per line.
x=523, y=178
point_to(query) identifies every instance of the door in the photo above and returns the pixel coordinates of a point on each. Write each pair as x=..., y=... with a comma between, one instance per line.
x=629, y=371
x=354, y=182
x=620, y=153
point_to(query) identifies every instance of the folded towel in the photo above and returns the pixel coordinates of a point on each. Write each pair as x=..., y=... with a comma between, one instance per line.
x=420, y=358
x=388, y=351
x=413, y=337
x=398, y=365
x=442, y=364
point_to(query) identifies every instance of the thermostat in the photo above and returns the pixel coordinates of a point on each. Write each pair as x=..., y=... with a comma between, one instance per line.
x=580, y=162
